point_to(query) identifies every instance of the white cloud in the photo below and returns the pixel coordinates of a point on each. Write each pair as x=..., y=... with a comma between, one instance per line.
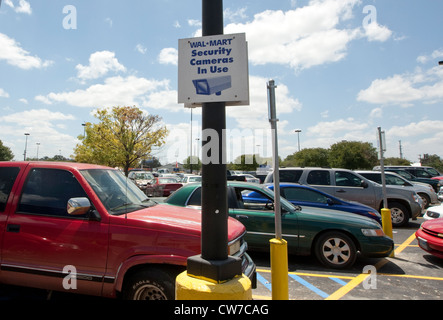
x=41, y=117
x=255, y=116
x=376, y=32
x=115, y=91
x=3, y=93
x=100, y=63
x=14, y=55
x=301, y=38
x=405, y=89
x=141, y=48
x=23, y=6
x=168, y=56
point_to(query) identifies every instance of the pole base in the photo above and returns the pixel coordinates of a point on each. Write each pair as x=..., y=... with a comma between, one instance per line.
x=190, y=288
x=217, y=271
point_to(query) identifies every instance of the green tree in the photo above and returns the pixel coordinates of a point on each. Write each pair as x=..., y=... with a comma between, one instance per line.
x=393, y=161
x=196, y=163
x=245, y=162
x=122, y=138
x=313, y=157
x=432, y=161
x=353, y=155
x=5, y=153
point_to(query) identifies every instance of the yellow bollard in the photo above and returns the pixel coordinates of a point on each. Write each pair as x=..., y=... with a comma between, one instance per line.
x=387, y=225
x=279, y=269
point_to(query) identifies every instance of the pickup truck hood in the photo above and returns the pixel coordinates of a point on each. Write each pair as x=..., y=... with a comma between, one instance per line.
x=168, y=217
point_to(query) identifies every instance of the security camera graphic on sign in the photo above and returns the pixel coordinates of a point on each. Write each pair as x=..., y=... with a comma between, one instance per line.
x=212, y=85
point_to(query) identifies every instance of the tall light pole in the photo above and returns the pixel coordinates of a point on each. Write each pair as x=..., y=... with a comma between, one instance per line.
x=298, y=137
x=38, y=145
x=440, y=63
x=26, y=146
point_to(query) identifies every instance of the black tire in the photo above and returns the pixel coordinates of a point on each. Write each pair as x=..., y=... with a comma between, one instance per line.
x=150, y=284
x=426, y=200
x=399, y=214
x=336, y=250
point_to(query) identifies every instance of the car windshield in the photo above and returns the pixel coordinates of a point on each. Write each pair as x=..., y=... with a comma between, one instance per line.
x=118, y=194
x=143, y=176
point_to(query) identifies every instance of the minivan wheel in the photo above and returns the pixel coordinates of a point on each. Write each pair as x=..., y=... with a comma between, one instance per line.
x=336, y=250
x=399, y=214
x=150, y=284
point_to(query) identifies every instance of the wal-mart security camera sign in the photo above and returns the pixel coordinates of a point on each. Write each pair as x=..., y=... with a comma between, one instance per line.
x=213, y=69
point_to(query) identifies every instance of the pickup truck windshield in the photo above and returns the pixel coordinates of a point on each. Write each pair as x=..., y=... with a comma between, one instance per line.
x=118, y=194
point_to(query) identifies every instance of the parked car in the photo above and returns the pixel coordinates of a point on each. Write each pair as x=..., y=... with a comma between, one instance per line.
x=141, y=178
x=164, y=186
x=249, y=178
x=92, y=219
x=430, y=237
x=418, y=171
x=425, y=191
x=440, y=194
x=334, y=238
x=350, y=186
x=306, y=196
x=436, y=184
x=191, y=179
x=434, y=212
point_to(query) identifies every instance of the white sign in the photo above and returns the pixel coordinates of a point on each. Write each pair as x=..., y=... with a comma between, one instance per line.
x=213, y=69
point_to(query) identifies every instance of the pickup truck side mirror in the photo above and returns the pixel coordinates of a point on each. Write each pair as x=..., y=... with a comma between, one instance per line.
x=364, y=184
x=81, y=206
x=78, y=206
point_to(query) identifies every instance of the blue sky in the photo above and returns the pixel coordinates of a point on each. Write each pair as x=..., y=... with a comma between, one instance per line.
x=342, y=68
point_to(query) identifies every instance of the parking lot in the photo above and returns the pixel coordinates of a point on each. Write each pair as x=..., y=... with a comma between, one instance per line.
x=412, y=274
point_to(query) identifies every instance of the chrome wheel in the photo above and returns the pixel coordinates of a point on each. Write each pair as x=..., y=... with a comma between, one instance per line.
x=336, y=250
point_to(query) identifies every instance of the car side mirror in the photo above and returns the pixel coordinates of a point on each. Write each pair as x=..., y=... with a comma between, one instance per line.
x=364, y=184
x=78, y=206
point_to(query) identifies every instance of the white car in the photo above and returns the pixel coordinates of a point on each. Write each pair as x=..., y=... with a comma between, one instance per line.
x=434, y=212
x=191, y=179
x=249, y=177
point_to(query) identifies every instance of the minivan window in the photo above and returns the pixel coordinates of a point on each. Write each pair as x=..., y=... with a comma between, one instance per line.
x=347, y=179
x=319, y=177
x=7, y=179
x=290, y=175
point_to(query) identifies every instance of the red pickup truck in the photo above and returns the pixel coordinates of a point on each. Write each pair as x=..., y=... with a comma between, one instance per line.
x=87, y=229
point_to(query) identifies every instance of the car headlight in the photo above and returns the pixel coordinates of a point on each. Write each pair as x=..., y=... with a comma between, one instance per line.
x=373, y=232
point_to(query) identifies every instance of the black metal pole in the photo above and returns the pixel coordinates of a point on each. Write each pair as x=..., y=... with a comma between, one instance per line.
x=214, y=197
x=214, y=262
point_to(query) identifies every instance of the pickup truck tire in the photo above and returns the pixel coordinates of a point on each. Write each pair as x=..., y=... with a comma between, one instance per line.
x=150, y=284
x=335, y=250
x=399, y=214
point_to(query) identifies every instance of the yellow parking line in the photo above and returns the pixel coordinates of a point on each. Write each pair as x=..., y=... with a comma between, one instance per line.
x=340, y=293
x=311, y=274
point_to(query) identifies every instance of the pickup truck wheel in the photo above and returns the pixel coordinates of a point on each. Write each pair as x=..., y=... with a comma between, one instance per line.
x=152, y=284
x=399, y=214
x=336, y=250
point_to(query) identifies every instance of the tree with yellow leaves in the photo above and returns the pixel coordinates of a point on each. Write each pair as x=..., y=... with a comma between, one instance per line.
x=123, y=137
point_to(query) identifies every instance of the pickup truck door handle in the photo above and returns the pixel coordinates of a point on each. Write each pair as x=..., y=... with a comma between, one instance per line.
x=13, y=228
x=242, y=216
x=341, y=191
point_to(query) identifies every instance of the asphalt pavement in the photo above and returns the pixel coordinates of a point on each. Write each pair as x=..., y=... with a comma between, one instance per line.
x=412, y=274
